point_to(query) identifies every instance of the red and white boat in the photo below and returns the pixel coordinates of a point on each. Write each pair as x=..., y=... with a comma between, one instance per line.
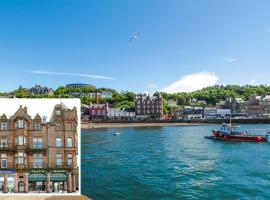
x=228, y=132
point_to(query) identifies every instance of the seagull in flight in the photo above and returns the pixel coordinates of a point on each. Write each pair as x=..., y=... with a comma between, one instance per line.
x=134, y=37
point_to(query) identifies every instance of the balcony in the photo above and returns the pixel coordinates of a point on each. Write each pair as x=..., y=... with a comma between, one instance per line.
x=35, y=149
x=8, y=147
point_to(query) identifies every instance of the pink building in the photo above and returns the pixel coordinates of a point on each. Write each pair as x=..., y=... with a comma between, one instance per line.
x=98, y=111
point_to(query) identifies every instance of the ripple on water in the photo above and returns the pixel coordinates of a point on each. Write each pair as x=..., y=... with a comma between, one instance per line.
x=172, y=163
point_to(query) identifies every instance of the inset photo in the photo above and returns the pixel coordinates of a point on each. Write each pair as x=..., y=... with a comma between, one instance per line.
x=40, y=146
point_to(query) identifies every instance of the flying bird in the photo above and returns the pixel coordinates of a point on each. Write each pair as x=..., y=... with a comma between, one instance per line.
x=134, y=37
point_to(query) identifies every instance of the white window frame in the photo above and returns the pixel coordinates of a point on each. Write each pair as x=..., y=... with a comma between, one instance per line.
x=57, y=141
x=3, y=126
x=20, y=123
x=59, y=159
x=70, y=159
x=37, y=126
x=69, y=142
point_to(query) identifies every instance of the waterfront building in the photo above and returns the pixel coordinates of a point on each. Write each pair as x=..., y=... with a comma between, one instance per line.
x=237, y=106
x=147, y=106
x=224, y=112
x=210, y=113
x=191, y=112
x=265, y=106
x=78, y=85
x=39, y=156
x=98, y=111
x=254, y=108
x=115, y=113
x=37, y=90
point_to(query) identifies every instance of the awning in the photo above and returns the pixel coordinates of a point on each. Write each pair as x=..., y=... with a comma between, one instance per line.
x=37, y=177
x=58, y=177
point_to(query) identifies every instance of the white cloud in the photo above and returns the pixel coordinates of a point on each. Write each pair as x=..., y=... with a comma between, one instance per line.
x=71, y=74
x=152, y=85
x=192, y=82
x=252, y=82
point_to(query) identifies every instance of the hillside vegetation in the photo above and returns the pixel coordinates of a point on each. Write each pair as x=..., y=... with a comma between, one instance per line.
x=211, y=95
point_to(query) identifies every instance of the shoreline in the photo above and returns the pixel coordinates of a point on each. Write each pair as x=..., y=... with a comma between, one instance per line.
x=92, y=125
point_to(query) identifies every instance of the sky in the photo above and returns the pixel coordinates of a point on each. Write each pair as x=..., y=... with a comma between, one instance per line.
x=182, y=45
x=44, y=107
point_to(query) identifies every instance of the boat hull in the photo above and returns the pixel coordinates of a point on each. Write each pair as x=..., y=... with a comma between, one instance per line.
x=217, y=135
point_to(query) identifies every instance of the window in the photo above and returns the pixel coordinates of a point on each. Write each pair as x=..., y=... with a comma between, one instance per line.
x=69, y=126
x=21, y=140
x=59, y=159
x=3, y=142
x=37, y=143
x=58, y=126
x=58, y=142
x=69, y=161
x=69, y=142
x=20, y=158
x=38, y=160
x=20, y=123
x=3, y=160
x=37, y=126
x=4, y=126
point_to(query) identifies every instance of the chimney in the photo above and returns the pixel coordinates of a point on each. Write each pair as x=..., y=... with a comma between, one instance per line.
x=25, y=109
x=44, y=118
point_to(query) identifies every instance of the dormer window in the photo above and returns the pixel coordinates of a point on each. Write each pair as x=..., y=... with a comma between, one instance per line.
x=58, y=112
x=20, y=123
x=37, y=126
x=3, y=126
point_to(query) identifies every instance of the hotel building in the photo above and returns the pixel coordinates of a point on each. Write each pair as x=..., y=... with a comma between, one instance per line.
x=39, y=156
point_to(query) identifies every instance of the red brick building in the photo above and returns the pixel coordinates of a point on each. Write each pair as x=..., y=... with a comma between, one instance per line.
x=98, y=111
x=36, y=155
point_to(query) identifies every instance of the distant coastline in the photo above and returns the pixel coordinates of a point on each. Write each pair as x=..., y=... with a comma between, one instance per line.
x=160, y=123
x=92, y=125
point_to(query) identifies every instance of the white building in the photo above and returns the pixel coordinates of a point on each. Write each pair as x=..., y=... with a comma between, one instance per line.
x=115, y=113
x=223, y=112
x=210, y=113
x=107, y=95
x=172, y=103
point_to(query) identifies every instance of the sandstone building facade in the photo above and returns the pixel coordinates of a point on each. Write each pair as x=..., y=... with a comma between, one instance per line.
x=36, y=155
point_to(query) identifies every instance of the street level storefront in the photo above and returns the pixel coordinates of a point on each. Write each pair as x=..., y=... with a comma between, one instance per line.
x=38, y=181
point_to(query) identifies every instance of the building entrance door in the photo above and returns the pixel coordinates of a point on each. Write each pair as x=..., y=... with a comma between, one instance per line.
x=21, y=186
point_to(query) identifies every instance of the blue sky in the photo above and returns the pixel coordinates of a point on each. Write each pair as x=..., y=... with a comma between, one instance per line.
x=180, y=41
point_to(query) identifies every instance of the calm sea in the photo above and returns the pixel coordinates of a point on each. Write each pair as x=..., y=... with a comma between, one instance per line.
x=172, y=163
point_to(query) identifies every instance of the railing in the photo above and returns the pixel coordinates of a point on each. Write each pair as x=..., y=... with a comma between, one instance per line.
x=8, y=147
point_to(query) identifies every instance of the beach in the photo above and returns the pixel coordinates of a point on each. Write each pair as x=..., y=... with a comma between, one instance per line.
x=137, y=124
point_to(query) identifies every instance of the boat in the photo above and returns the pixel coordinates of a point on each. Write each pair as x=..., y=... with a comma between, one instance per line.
x=118, y=133
x=228, y=132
